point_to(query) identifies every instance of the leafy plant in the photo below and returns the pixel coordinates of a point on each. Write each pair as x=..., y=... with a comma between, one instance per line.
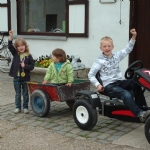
x=43, y=61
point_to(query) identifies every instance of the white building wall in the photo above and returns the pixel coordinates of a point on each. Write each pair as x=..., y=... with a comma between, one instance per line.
x=103, y=21
x=3, y=19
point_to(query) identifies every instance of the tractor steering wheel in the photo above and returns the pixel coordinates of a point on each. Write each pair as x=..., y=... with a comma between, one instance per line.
x=133, y=67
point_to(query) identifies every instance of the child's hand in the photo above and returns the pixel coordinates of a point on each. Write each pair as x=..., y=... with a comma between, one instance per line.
x=22, y=64
x=44, y=82
x=69, y=84
x=134, y=33
x=10, y=35
x=11, y=32
x=100, y=88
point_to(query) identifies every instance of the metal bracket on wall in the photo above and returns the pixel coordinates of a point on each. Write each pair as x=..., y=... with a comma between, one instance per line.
x=107, y=1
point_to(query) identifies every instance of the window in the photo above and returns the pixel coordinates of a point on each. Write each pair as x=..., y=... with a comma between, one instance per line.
x=5, y=18
x=53, y=17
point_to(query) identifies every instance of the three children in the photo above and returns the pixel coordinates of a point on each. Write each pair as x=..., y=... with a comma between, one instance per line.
x=60, y=71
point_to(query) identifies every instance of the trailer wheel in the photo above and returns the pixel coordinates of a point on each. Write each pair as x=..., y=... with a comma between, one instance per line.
x=147, y=129
x=85, y=116
x=40, y=103
x=70, y=103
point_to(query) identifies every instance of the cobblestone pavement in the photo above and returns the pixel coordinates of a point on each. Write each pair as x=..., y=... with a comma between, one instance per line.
x=60, y=119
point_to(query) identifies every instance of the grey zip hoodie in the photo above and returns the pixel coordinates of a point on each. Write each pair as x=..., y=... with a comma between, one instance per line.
x=109, y=67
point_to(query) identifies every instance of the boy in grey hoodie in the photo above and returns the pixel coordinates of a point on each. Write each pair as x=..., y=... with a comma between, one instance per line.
x=107, y=64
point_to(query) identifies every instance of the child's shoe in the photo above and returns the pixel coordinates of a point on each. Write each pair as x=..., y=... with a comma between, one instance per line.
x=144, y=115
x=17, y=110
x=26, y=111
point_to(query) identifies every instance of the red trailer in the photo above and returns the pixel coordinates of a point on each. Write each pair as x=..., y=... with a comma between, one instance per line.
x=42, y=95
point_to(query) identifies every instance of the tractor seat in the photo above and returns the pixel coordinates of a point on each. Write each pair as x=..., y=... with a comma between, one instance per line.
x=139, y=103
x=100, y=81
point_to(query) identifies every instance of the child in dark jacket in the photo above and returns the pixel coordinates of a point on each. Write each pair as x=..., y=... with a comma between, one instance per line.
x=21, y=66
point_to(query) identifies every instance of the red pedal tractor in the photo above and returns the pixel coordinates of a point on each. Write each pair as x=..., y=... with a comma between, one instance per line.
x=88, y=103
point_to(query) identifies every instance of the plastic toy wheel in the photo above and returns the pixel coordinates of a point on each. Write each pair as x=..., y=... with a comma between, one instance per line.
x=147, y=129
x=85, y=116
x=70, y=103
x=40, y=103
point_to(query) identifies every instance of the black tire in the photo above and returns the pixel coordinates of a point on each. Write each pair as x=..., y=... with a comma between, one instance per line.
x=40, y=103
x=70, y=103
x=85, y=116
x=147, y=129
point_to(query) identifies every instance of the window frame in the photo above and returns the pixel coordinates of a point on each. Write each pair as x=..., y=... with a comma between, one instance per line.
x=86, y=23
x=67, y=34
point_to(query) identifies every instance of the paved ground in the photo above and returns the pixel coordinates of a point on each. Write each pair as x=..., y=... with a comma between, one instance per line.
x=59, y=131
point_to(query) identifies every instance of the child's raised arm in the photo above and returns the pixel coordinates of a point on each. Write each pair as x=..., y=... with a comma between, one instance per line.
x=11, y=32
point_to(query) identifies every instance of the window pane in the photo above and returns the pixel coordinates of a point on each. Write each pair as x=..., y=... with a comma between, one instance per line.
x=43, y=16
x=4, y=19
x=76, y=18
x=3, y=1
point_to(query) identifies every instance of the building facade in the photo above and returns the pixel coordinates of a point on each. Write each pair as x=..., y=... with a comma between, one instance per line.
x=73, y=25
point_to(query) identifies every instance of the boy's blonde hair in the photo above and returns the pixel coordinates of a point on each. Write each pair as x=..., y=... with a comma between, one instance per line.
x=106, y=38
x=21, y=41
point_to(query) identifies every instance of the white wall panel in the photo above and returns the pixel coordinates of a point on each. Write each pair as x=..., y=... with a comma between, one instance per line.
x=3, y=1
x=76, y=18
x=3, y=19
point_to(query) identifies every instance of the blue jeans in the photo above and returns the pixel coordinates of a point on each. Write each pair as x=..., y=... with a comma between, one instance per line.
x=21, y=86
x=120, y=89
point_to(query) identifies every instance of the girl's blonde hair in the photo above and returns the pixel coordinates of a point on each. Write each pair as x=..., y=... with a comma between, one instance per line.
x=21, y=41
x=106, y=38
x=60, y=54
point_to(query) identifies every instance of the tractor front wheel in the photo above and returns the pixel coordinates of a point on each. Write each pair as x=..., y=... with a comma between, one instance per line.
x=84, y=114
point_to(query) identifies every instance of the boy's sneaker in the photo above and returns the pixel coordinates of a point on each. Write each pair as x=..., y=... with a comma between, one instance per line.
x=17, y=110
x=143, y=116
x=26, y=111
